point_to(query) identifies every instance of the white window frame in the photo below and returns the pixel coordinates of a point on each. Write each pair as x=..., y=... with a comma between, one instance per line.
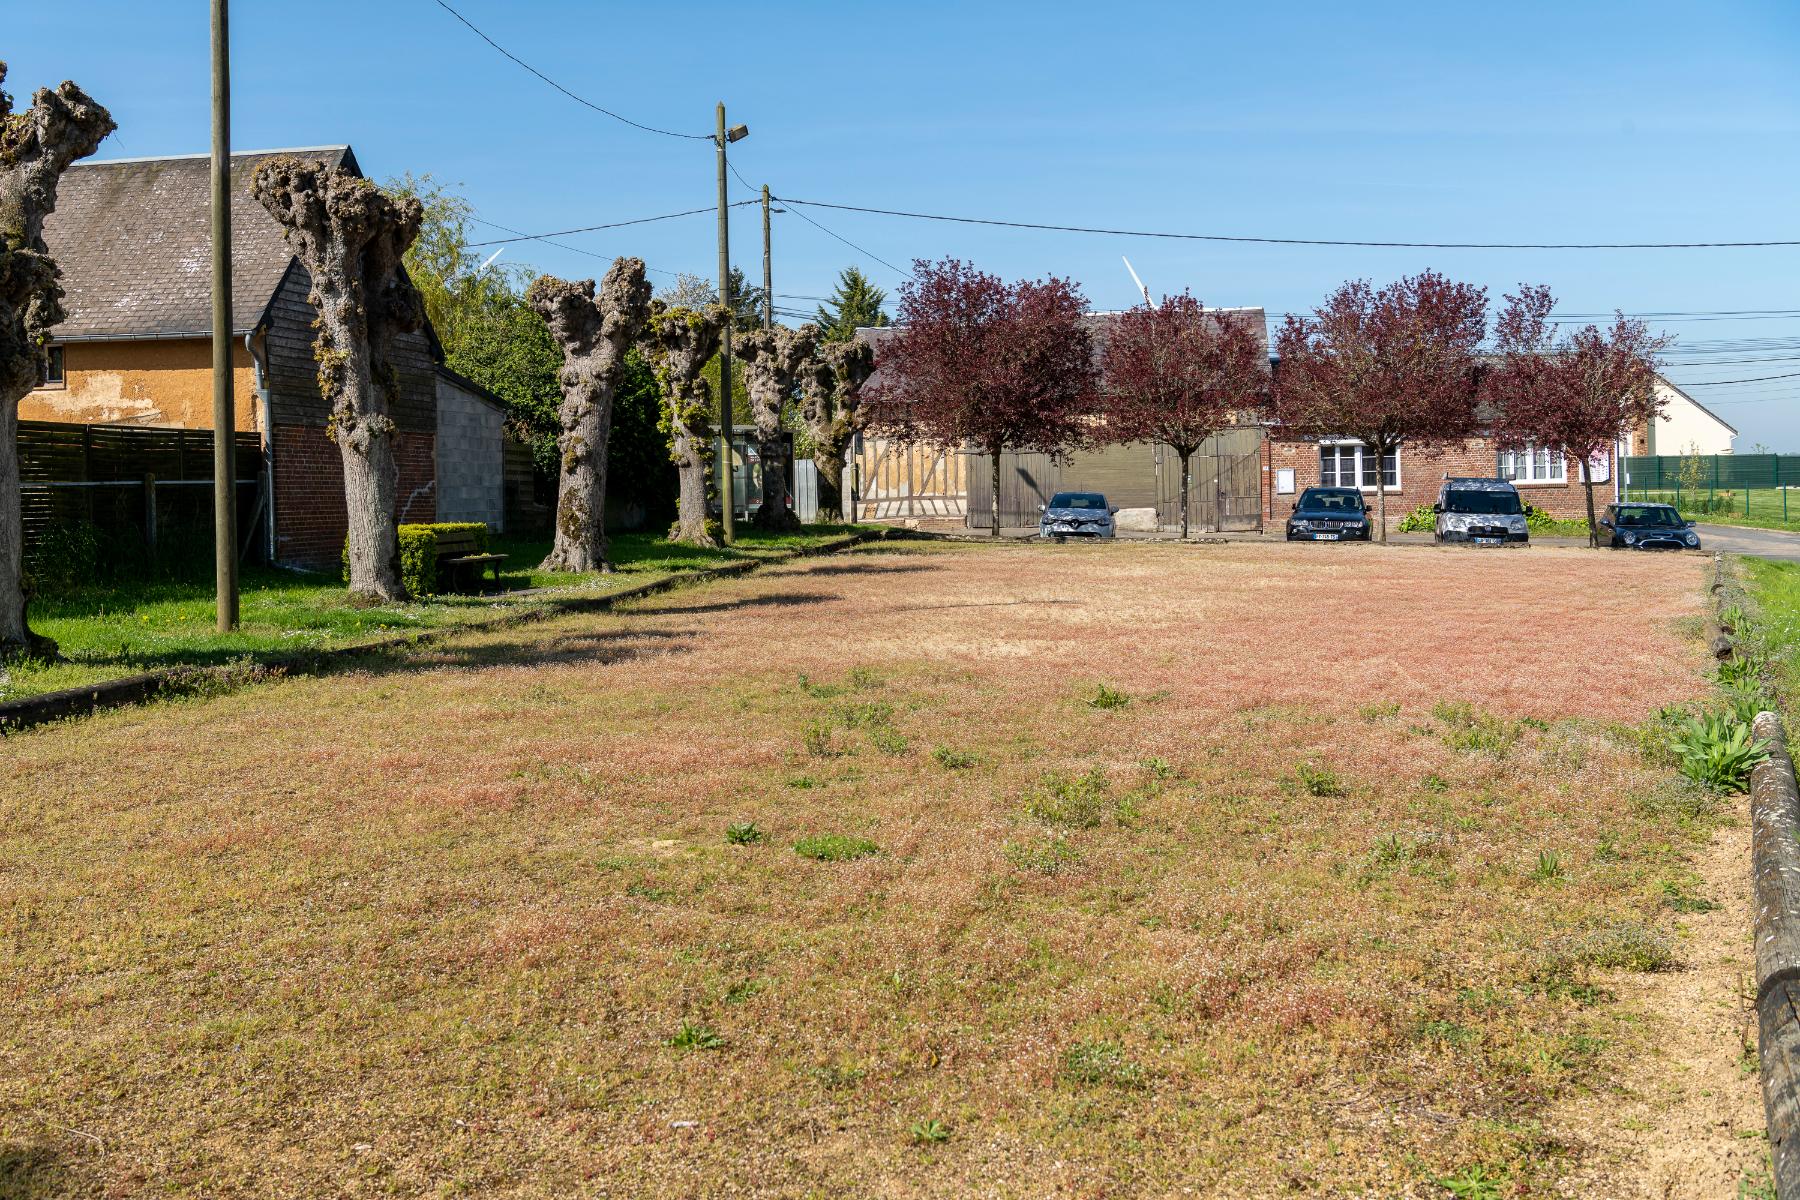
x=1542, y=467
x=1365, y=478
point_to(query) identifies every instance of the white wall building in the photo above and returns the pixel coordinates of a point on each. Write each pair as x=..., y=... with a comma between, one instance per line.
x=1687, y=426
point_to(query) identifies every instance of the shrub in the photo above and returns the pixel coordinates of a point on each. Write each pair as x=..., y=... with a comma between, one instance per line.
x=419, y=553
x=1051, y=856
x=1107, y=698
x=1101, y=1063
x=1716, y=752
x=953, y=760
x=1419, y=520
x=743, y=833
x=1077, y=801
x=929, y=1133
x=835, y=847
x=1318, y=781
x=694, y=1036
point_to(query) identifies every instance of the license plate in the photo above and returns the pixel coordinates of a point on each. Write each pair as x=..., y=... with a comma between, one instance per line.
x=1481, y=541
x=1062, y=529
x=1325, y=537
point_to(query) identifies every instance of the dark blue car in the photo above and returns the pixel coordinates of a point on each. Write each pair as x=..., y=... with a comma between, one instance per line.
x=1329, y=514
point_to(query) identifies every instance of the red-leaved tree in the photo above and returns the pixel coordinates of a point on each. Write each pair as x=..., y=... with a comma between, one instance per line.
x=1575, y=394
x=1178, y=374
x=980, y=362
x=1389, y=367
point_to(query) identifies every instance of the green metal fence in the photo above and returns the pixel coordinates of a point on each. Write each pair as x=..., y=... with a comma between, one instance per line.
x=1743, y=487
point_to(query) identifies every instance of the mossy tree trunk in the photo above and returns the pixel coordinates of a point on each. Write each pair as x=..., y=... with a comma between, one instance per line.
x=594, y=328
x=773, y=360
x=679, y=343
x=831, y=405
x=351, y=238
x=36, y=147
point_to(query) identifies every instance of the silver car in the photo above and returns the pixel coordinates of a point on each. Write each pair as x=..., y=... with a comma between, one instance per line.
x=1076, y=514
x=1481, y=512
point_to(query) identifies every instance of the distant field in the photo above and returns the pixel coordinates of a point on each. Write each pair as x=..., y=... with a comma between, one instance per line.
x=934, y=871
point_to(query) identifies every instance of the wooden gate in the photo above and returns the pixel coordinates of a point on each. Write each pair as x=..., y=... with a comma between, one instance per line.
x=1224, y=483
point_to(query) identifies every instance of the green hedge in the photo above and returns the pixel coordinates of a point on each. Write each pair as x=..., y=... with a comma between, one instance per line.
x=419, y=553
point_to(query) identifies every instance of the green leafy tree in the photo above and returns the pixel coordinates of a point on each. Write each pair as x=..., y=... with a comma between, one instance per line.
x=856, y=304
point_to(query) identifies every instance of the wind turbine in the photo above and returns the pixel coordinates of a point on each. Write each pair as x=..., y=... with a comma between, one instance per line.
x=1136, y=280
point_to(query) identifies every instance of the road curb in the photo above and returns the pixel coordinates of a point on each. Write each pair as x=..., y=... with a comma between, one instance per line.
x=29, y=711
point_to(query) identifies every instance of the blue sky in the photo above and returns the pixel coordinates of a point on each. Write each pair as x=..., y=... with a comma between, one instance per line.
x=1394, y=122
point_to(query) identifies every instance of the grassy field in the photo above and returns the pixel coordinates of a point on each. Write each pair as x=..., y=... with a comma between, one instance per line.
x=107, y=631
x=1765, y=504
x=936, y=870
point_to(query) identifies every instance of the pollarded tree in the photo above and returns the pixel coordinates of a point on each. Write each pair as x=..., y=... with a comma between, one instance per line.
x=594, y=329
x=1576, y=394
x=773, y=360
x=982, y=363
x=1389, y=368
x=1178, y=374
x=679, y=342
x=831, y=406
x=352, y=239
x=36, y=147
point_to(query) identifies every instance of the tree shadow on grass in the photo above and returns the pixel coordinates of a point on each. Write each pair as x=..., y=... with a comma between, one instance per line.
x=599, y=648
x=856, y=568
x=649, y=607
x=29, y=1172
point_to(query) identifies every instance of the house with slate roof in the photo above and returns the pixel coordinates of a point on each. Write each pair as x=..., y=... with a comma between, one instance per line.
x=132, y=238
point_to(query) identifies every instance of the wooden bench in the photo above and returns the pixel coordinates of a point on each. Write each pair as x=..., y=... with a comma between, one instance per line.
x=458, y=554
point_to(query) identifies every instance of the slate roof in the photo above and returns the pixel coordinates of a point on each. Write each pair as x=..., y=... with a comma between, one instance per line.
x=133, y=238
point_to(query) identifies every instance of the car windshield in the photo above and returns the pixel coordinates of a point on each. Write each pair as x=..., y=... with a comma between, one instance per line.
x=1639, y=516
x=1078, y=500
x=1482, y=502
x=1330, y=500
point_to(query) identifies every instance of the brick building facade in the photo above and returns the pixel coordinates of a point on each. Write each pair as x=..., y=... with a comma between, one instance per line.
x=133, y=240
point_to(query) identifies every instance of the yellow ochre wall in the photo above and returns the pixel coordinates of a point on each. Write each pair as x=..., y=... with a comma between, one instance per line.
x=143, y=383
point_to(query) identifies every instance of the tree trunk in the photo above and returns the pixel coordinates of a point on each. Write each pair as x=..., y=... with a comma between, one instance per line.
x=16, y=636
x=1185, y=456
x=775, y=515
x=586, y=415
x=1587, y=481
x=830, y=463
x=994, y=498
x=1380, y=501
x=691, y=525
x=364, y=433
x=37, y=146
x=593, y=325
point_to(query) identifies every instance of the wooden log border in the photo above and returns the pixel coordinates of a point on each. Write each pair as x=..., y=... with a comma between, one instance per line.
x=1775, y=867
x=29, y=711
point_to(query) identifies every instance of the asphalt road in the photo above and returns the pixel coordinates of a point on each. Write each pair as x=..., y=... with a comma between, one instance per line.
x=1763, y=543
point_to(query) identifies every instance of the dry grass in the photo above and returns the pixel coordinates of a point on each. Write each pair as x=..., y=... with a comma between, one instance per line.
x=471, y=923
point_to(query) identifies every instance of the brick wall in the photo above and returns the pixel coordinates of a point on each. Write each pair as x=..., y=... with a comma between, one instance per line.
x=1421, y=475
x=309, y=492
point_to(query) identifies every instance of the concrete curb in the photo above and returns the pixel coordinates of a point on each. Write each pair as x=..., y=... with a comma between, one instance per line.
x=29, y=711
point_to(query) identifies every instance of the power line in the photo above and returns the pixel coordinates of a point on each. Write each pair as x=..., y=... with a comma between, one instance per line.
x=1752, y=379
x=538, y=237
x=698, y=137
x=1275, y=241
x=865, y=253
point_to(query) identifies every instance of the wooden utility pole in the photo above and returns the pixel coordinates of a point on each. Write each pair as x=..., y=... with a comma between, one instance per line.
x=225, y=565
x=768, y=276
x=723, y=473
